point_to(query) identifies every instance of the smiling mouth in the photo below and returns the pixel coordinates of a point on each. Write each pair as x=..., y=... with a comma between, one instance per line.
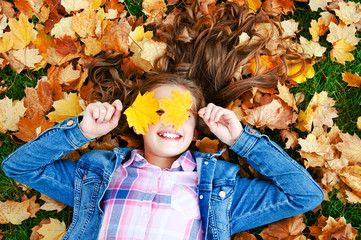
x=167, y=135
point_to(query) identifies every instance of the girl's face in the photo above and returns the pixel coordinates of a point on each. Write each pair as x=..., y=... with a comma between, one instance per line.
x=163, y=141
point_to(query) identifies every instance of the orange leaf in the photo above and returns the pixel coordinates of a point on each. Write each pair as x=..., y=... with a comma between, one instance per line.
x=206, y=145
x=65, y=45
x=143, y=112
x=38, y=99
x=288, y=228
x=14, y=212
x=68, y=107
x=31, y=128
x=176, y=108
x=353, y=80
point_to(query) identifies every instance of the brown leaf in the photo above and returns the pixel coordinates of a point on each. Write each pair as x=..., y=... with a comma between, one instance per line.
x=14, y=212
x=207, y=145
x=288, y=228
x=116, y=38
x=51, y=204
x=244, y=236
x=350, y=147
x=329, y=228
x=66, y=45
x=24, y=7
x=272, y=115
x=292, y=138
x=7, y=8
x=10, y=113
x=33, y=207
x=353, y=80
x=84, y=23
x=38, y=99
x=31, y=128
x=54, y=229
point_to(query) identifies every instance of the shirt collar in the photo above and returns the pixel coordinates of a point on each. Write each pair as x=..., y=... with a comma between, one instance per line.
x=185, y=162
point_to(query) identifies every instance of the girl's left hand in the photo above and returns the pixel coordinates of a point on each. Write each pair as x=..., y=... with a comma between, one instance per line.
x=222, y=122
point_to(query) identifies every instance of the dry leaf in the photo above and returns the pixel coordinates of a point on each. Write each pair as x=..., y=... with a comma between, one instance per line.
x=116, y=39
x=286, y=96
x=288, y=228
x=329, y=228
x=63, y=27
x=176, y=109
x=272, y=115
x=244, y=236
x=341, y=52
x=316, y=4
x=317, y=29
x=28, y=57
x=143, y=112
x=312, y=48
x=349, y=12
x=22, y=32
x=154, y=10
x=74, y=5
x=6, y=43
x=323, y=109
x=38, y=99
x=54, y=230
x=359, y=123
x=51, y=204
x=14, y=212
x=70, y=106
x=292, y=138
x=342, y=32
x=10, y=113
x=67, y=75
x=294, y=68
x=84, y=23
x=206, y=145
x=33, y=207
x=350, y=147
x=31, y=128
x=353, y=80
x=290, y=28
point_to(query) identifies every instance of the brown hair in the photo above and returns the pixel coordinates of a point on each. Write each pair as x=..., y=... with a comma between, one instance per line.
x=205, y=47
x=110, y=85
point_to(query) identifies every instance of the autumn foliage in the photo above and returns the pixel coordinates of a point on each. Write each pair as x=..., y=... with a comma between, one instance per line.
x=64, y=36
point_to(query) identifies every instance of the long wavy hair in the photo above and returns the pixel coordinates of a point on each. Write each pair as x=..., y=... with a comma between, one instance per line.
x=206, y=48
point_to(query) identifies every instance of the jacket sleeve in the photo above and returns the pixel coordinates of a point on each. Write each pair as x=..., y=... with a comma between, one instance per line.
x=288, y=191
x=38, y=163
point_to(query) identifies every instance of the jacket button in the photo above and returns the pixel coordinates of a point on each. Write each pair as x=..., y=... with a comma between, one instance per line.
x=206, y=162
x=222, y=194
x=252, y=131
x=70, y=122
x=201, y=197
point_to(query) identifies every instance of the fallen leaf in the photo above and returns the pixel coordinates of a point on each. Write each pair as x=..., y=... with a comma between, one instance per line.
x=244, y=236
x=138, y=34
x=6, y=43
x=74, y=5
x=317, y=29
x=10, y=113
x=312, y=48
x=290, y=28
x=353, y=198
x=7, y=9
x=116, y=39
x=316, y=4
x=33, y=207
x=272, y=115
x=341, y=52
x=330, y=228
x=288, y=228
x=22, y=32
x=359, y=123
x=66, y=45
x=176, y=109
x=15, y=64
x=286, y=96
x=349, y=12
x=54, y=230
x=323, y=109
x=24, y=7
x=206, y=145
x=154, y=10
x=51, y=204
x=353, y=80
x=38, y=99
x=276, y=6
x=31, y=128
x=84, y=23
x=68, y=107
x=292, y=138
x=342, y=32
x=294, y=72
x=28, y=57
x=265, y=64
x=14, y=212
x=143, y=112
x=93, y=46
x=63, y=27
x=350, y=147
x=67, y=75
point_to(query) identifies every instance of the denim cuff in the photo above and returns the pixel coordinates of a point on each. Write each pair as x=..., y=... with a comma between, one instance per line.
x=73, y=132
x=246, y=141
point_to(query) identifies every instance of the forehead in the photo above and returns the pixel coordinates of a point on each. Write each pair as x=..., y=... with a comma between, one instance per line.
x=165, y=90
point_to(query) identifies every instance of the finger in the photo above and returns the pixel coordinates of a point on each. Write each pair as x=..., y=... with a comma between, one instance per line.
x=208, y=110
x=214, y=112
x=110, y=109
x=201, y=112
x=223, y=113
x=102, y=113
x=118, y=105
x=93, y=110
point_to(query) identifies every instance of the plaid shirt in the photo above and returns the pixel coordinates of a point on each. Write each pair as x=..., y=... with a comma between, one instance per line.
x=144, y=202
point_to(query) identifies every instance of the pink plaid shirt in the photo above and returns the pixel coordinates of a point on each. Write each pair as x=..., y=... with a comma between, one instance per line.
x=144, y=202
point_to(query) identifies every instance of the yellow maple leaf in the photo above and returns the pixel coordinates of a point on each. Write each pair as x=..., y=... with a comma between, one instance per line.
x=175, y=108
x=68, y=107
x=22, y=32
x=6, y=43
x=143, y=112
x=53, y=230
x=305, y=120
x=353, y=80
x=10, y=113
x=138, y=34
x=341, y=52
x=308, y=72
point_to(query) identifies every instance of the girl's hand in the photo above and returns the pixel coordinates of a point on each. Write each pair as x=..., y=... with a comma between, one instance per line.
x=222, y=122
x=100, y=118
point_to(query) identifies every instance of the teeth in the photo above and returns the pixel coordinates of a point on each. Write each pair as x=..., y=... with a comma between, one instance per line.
x=169, y=135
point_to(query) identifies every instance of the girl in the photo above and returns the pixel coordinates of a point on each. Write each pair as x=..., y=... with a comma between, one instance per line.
x=163, y=191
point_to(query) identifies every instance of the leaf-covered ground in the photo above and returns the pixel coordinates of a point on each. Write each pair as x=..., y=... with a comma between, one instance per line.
x=45, y=50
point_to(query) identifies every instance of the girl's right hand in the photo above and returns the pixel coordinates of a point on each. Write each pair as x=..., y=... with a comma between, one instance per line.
x=100, y=118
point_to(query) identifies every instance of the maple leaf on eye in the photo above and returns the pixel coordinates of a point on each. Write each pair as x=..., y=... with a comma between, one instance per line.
x=176, y=108
x=288, y=228
x=341, y=52
x=143, y=112
x=70, y=106
x=353, y=80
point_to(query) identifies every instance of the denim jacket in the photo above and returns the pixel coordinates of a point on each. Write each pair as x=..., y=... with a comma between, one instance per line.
x=228, y=203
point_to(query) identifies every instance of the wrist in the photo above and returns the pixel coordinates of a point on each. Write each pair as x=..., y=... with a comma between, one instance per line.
x=84, y=132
